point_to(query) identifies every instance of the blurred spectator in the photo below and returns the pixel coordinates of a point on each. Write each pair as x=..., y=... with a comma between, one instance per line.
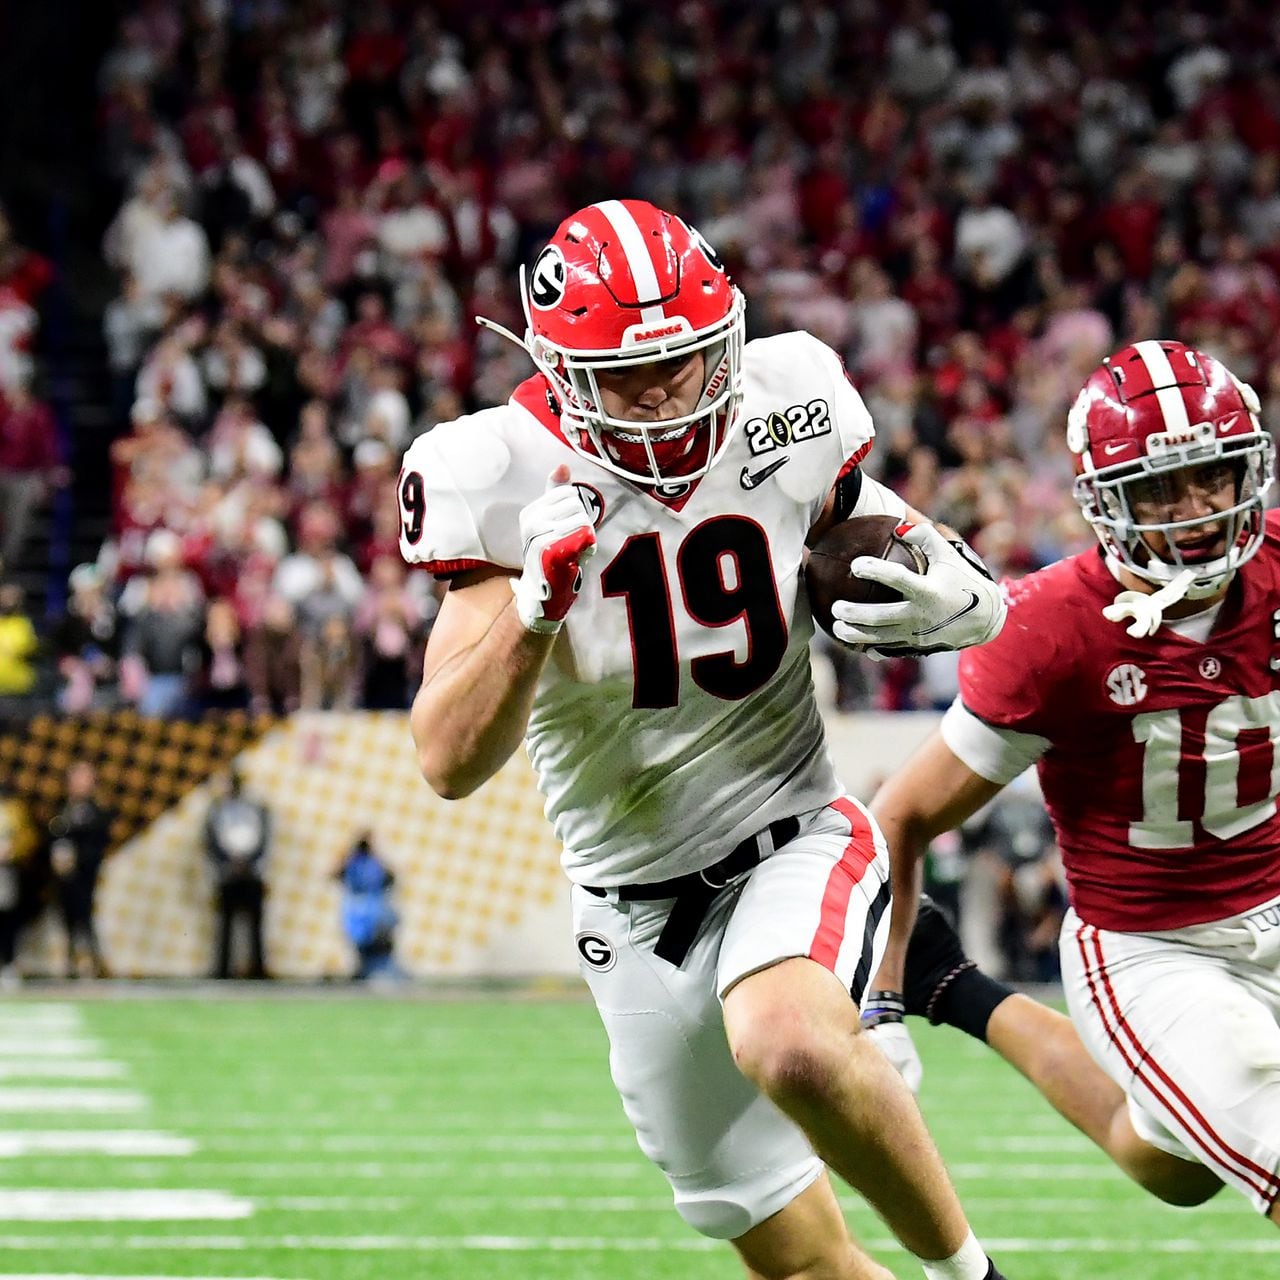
x=171, y=378
x=273, y=659
x=368, y=917
x=18, y=643
x=169, y=253
x=130, y=324
x=1014, y=831
x=222, y=683
x=80, y=832
x=237, y=841
x=87, y=644
x=329, y=667
x=387, y=620
x=17, y=839
x=30, y=466
x=165, y=611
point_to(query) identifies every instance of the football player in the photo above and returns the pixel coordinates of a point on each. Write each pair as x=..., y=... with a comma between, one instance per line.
x=1143, y=680
x=624, y=542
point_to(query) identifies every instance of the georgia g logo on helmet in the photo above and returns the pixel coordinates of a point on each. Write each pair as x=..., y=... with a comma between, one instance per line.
x=547, y=279
x=701, y=241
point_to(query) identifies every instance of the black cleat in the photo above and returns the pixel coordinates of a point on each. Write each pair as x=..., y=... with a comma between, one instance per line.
x=935, y=959
x=992, y=1273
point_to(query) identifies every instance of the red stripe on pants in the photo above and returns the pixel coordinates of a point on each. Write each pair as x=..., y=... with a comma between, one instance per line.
x=858, y=855
x=1214, y=1147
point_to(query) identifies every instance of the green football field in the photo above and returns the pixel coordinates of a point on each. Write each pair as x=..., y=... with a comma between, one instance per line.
x=325, y=1136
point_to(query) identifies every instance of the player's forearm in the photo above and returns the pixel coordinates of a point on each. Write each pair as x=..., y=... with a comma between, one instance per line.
x=907, y=844
x=470, y=715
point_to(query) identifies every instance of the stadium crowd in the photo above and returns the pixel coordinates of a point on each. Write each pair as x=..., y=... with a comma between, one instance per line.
x=316, y=198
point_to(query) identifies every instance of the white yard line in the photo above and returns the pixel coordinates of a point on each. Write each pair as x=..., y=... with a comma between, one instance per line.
x=315, y=1204
x=60, y=1069
x=55, y=1099
x=104, y=1142
x=428, y=1143
x=339, y=1170
x=29, y=1043
x=1050, y=1142
x=19, y=1011
x=52, y=1205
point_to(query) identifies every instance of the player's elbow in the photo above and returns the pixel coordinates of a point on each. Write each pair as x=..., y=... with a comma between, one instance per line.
x=898, y=814
x=443, y=777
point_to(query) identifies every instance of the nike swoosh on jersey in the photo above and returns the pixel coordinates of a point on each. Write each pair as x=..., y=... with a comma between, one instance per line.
x=946, y=622
x=749, y=479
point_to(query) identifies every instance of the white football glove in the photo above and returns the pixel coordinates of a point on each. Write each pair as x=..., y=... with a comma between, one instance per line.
x=558, y=540
x=952, y=605
x=882, y=1020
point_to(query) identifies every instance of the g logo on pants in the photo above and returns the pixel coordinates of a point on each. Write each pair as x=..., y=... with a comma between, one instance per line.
x=596, y=951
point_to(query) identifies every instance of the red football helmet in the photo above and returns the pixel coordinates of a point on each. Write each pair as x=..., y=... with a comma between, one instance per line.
x=1157, y=408
x=621, y=284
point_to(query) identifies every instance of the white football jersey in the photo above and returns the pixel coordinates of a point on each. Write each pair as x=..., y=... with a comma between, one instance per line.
x=677, y=715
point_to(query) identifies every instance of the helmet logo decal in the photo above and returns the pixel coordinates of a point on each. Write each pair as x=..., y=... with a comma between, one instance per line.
x=1077, y=420
x=547, y=279
x=1126, y=684
x=592, y=500
x=707, y=251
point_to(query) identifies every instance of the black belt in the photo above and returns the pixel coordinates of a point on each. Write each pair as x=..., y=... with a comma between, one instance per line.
x=696, y=891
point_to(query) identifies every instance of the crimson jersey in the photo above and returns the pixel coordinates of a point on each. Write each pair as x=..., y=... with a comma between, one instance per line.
x=1161, y=772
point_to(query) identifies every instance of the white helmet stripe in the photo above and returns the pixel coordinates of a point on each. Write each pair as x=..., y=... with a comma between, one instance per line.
x=638, y=261
x=1172, y=405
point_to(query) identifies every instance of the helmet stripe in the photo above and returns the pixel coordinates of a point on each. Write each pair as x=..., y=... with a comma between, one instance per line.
x=639, y=262
x=1164, y=380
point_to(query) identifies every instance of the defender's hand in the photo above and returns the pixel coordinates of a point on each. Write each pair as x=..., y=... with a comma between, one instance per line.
x=558, y=539
x=952, y=605
x=882, y=1021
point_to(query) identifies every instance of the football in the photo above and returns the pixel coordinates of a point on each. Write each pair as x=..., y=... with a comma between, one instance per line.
x=827, y=577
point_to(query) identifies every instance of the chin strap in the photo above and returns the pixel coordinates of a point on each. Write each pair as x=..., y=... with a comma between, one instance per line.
x=1147, y=611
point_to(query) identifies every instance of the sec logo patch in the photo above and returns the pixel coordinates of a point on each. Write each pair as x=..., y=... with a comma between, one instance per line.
x=596, y=951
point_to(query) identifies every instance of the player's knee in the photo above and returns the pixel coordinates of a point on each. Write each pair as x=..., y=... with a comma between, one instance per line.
x=1184, y=1196
x=785, y=1063
x=719, y=1217
x=1183, y=1188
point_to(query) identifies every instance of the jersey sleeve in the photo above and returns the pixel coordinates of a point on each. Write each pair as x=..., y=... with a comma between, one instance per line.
x=854, y=429
x=1021, y=679
x=992, y=752
x=834, y=402
x=453, y=515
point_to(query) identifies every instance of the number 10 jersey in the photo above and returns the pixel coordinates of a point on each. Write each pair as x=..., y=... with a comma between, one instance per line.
x=1159, y=757
x=677, y=714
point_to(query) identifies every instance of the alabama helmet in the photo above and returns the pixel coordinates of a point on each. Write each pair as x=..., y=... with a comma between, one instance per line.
x=1153, y=409
x=622, y=283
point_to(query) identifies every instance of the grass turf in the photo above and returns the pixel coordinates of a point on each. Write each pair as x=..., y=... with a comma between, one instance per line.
x=481, y=1140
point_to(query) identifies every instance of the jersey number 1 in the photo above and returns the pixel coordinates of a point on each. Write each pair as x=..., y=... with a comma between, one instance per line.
x=712, y=598
x=1237, y=772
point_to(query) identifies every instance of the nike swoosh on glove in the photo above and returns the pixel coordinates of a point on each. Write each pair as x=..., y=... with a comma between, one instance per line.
x=952, y=605
x=558, y=540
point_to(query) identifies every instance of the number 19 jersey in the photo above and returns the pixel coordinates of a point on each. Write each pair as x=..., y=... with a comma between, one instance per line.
x=677, y=714
x=1160, y=765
